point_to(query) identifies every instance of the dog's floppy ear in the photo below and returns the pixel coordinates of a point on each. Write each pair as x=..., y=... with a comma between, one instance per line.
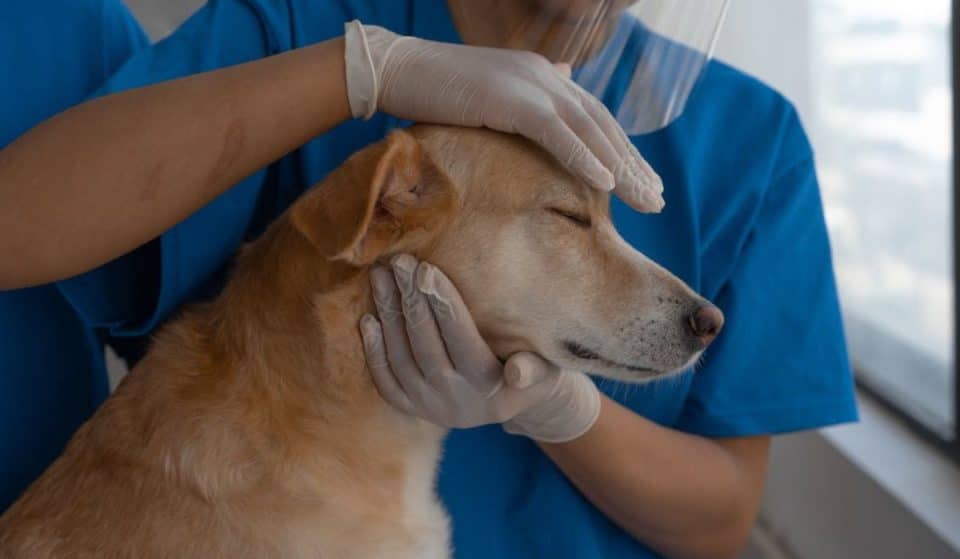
x=388, y=197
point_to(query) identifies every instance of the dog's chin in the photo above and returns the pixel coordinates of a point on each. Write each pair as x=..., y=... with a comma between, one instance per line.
x=635, y=374
x=576, y=358
x=627, y=376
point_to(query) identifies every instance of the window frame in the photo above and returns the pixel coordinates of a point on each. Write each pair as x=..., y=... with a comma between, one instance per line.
x=949, y=444
x=953, y=444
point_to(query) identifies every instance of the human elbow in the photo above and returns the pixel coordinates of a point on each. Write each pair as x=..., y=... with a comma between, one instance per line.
x=8, y=281
x=729, y=546
x=717, y=546
x=725, y=541
x=13, y=277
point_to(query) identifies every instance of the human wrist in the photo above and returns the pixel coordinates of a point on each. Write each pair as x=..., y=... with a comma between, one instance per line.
x=567, y=413
x=330, y=59
x=365, y=48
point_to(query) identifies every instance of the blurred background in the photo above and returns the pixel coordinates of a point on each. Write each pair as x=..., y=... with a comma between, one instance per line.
x=872, y=82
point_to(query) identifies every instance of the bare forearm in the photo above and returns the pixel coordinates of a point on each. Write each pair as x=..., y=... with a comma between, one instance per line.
x=683, y=495
x=111, y=174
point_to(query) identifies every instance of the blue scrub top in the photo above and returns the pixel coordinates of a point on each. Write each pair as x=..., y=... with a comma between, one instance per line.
x=743, y=225
x=53, y=54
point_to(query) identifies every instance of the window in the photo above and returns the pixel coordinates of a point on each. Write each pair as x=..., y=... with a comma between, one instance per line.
x=872, y=80
x=881, y=123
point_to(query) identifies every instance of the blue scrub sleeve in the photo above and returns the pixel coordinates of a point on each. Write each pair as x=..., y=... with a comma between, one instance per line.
x=780, y=364
x=122, y=35
x=131, y=295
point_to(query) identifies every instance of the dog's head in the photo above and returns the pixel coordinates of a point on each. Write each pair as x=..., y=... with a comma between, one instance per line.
x=532, y=250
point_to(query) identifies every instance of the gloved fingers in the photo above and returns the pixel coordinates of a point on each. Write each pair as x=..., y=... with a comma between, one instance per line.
x=386, y=297
x=513, y=400
x=471, y=356
x=525, y=369
x=555, y=135
x=637, y=183
x=594, y=137
x=565, y=409
x=376, y=356
x=423, y=333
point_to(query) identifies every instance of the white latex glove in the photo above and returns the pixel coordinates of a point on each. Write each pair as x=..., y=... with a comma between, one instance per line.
x=506, y=90
x=428, y=359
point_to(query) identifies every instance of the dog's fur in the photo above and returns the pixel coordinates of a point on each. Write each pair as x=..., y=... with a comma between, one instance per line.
x=252, y=427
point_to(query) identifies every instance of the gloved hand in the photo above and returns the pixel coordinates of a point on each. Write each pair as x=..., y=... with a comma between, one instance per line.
x=505, y=90
x=428, y=359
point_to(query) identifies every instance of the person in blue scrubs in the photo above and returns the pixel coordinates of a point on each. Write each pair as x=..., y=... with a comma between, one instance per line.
x=53, y=55
x=669, y=469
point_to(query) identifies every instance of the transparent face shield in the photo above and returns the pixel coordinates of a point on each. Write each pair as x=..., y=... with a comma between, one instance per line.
x=642, y=58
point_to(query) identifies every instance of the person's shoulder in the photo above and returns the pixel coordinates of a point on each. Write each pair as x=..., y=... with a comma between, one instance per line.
x=302, y=11
x=724, y=81
x=740, y=137
x=51, y=11
x=74, y=22
x=60, y=51
x=64, y=10
x=89, y=30
x=753, y=108
x=289, y=24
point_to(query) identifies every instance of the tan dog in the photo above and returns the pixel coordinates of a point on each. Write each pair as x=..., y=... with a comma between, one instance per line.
x=252, y=428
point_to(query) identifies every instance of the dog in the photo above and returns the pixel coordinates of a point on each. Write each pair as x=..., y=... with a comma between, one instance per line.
x=252, y=427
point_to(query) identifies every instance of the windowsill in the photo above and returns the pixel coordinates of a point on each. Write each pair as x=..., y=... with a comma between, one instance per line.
x=909, y=469
x=867, y=490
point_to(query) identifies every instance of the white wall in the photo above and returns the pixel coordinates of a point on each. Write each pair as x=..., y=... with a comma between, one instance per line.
x=770, y=39
x=160, y=17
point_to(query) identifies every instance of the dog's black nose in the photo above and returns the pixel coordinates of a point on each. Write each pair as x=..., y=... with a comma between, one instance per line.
x=706, y=322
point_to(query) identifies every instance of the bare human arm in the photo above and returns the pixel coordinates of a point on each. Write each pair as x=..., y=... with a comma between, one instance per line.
x=686, y=496
x=109, y=175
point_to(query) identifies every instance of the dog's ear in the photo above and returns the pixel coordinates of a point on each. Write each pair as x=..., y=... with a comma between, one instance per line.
x=387, y=198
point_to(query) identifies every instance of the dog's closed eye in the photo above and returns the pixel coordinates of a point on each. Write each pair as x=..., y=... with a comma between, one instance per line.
x=577, y=219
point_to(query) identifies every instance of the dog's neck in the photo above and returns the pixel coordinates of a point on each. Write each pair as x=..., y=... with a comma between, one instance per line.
x=288, y=311
x=280, y=351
